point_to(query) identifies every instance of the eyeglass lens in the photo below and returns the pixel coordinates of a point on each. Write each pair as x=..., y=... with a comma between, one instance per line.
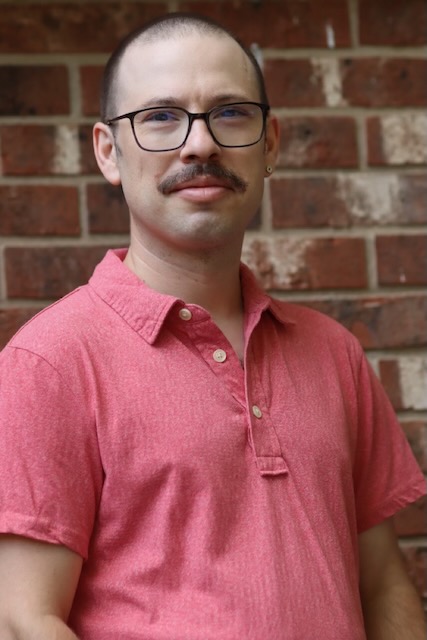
x=163, y=128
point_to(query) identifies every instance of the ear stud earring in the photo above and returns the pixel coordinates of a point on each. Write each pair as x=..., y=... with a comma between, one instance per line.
x=269, y=169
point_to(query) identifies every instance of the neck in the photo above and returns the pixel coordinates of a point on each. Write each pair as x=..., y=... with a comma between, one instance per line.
x=211, y=281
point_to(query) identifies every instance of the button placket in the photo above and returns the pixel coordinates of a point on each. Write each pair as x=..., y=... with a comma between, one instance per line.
x=266, y=445
x=213, y=347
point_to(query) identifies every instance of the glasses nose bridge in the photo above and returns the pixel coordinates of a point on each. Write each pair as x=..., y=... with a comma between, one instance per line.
x=198, y=116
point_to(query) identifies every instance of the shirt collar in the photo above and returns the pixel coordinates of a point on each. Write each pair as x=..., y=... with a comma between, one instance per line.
x=145, y=310
x=256, y=300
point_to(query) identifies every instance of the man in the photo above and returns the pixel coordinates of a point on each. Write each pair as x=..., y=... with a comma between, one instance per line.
x=184, y=458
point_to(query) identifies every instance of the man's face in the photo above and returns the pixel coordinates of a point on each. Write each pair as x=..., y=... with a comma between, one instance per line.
x=169, y=210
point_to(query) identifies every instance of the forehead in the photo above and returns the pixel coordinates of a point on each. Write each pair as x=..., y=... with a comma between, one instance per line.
x=191, y=68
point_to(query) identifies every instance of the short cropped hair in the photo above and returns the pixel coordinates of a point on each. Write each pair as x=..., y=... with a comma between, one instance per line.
x=165, y=26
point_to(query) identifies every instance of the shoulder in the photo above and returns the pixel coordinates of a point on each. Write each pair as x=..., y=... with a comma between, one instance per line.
x=312, y=324
x=55, y=329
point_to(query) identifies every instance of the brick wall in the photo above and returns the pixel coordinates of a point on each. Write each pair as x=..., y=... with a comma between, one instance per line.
x=342, y=227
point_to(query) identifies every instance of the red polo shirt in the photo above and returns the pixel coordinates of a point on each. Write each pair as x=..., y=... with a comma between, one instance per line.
x=210, y=501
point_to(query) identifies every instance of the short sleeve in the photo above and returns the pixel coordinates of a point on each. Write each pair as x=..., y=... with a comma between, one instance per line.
x=386, y=474
x=50, y=468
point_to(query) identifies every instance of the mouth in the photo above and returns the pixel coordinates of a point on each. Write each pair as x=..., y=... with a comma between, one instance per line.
x=202, y=182
x=208, y=178
x=201, y=190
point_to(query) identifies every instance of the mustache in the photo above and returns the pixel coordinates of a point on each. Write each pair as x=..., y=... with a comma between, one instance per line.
x=205, y=169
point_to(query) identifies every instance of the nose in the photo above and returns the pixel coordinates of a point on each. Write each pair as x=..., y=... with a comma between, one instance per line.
x=200, y=143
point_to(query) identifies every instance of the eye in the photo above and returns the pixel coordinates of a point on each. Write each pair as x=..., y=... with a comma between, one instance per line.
x=161, y=116
x=234, y=111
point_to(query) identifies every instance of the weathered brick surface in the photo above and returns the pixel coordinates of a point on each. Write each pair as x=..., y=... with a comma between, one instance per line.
x=397, y=139
x=90, y=81
x=389, y=376
x=380, y=323
x=88, y=162
x=11, y=320
x=280, y=23
x=317, y=263
x=47, y=150
x=33, y=90
x=108, y=211
x=318, y=142
x=402, y=260
x=384, y=82
x=349, y=199
x=405, y=380
x=401, y=22
x=49, y=272
x=71, y=27
x=27, y=210
x=416, y=432
x=292, y=83
x=307, y=202
x=341, y=82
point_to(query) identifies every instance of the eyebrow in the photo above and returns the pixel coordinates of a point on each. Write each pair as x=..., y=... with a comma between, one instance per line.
x=169, y=101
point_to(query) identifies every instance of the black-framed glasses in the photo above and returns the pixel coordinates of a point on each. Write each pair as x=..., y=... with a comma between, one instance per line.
x=238, y=124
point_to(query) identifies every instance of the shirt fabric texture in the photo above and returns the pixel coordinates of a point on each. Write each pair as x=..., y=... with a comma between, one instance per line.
x=210, y=501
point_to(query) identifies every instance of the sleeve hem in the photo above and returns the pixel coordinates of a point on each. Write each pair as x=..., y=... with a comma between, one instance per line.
x=392, y=506
x=36, y=529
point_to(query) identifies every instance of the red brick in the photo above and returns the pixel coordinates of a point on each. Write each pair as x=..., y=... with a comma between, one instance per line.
x=376, y=155
x=293, y=83
x=338, y=263
x=404, y=380
x=27, y=150
x=390, y=378
x=411, y=199
x=318, y=142
x=34, y=90
x=307, y=202
x=415, y=558
x=11, y=320
x=71, y=27
x=380, y=323
x=88, y=161
x=402, y=260
x=49, y=272
x=397, y=139
x=90, y=81
x=416, y=432
x=285, y=263
x=27, y=210
x=47, y=150
x=412, y=521
x=108, y=211
x=279, y=23
x=399, y=23
x=350, y=199
x=384, y=82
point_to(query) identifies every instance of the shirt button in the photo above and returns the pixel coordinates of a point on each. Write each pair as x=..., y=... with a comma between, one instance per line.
x=185, y=314
x=256, y=411
x=219, y=355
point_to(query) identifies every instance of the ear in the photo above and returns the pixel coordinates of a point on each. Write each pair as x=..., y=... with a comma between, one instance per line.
x=272, y=141
x=105, y=150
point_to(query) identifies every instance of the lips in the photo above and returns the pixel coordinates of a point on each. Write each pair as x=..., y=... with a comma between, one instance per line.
x=202, y=182
x=202, y=176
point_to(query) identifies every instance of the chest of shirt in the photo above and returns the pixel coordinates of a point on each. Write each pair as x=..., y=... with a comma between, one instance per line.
x=187, y=400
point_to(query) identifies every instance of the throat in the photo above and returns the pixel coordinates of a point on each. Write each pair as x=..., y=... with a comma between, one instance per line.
x=232, y=328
